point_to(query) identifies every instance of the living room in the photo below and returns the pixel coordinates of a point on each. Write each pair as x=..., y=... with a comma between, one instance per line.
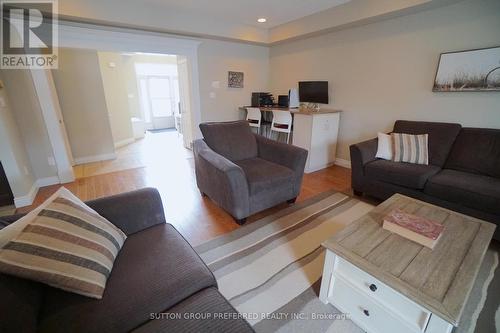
x=275, y=248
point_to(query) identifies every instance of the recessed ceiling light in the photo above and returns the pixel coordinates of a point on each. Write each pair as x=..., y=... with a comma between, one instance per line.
x=262, y=20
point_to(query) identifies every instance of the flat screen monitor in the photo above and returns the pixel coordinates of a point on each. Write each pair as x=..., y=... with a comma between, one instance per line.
x=313, y=92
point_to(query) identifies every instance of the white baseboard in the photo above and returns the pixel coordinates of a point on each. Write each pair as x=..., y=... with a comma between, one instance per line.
x=27, y=199
x=124, y=142
x=95, y=158
x=343, y=163
x=47, y=181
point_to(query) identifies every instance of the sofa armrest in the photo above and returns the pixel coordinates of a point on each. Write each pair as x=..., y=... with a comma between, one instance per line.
x=361, y=154
x=365, y=151
x=132, y=211
x=222, y=180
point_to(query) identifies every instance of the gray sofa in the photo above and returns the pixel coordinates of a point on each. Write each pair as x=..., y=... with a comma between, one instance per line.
x=463, y=172
x=246, y=173
x=156, y=271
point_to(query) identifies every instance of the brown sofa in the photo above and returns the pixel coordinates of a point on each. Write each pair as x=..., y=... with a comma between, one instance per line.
x=463, y=172
x=155, y=272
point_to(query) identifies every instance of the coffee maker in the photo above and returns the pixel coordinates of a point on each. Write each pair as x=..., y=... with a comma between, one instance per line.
x=262, y=99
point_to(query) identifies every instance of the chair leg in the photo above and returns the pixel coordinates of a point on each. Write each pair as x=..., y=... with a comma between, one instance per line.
x=358, y=193
x=288, y=138
x=240, y=221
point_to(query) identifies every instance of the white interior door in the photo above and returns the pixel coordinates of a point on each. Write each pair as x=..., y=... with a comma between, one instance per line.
x=185, y=101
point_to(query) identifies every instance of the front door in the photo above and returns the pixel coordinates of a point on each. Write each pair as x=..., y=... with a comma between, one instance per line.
x=158, y=100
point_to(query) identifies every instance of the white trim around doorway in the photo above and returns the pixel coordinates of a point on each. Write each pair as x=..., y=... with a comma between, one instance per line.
x=104, y=38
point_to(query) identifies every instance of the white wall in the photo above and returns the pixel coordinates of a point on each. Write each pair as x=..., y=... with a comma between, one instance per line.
x=13, y=154
x=28, y=114
x=384, y=71
x=81, y=96
x=126, y=64
x=216, y=58
x=114, y=82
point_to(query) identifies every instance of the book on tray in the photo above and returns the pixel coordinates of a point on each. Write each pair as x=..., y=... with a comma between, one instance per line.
x=413, y=227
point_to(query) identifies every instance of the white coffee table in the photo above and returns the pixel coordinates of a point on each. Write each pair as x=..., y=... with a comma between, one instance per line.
x=390, y=284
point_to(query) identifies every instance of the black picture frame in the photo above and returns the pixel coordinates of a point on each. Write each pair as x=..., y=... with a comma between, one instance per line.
x=486, y=79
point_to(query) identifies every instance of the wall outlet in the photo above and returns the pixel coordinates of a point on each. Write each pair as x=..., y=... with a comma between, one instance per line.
x=112, y=65
x=2, y=102
x=52, y=161
x=26, y=171
x=212, y=95
x=216, y=84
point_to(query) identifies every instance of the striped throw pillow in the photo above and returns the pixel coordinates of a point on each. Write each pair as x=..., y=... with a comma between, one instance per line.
x=67, y=246
x=411, y=148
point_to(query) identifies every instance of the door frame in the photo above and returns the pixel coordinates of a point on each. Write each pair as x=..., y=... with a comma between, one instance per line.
x=106, y=38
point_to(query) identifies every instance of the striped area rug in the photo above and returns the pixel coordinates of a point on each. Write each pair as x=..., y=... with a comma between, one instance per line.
x=270, y=270
x=267, y=264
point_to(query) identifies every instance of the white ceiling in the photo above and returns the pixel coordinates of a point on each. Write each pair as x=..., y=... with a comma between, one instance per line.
x=248, y=11
x=237, y=19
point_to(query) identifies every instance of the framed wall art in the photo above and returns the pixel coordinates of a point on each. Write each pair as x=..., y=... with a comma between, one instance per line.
x=235, y=79
x=471, y=70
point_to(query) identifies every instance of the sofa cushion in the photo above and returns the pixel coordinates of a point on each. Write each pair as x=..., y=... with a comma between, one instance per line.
x=476, y=150
x=441, y=137
x=411, y=148
x=402, y=174
x=234, y=140
x=210, y=305
x=155, y=269
x=468, y=189
x=67, y=245
x=263, y=175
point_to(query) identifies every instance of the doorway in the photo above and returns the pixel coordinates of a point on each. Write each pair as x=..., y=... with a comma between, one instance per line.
x=157, y=102
x=117, y=104
x=159, y=96
x=114, y=39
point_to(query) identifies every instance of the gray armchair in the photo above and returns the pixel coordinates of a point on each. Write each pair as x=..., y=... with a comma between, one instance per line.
x=245, y=173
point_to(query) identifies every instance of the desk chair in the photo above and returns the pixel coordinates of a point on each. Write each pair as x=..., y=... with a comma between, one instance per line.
x=254, y=118
x=282, y=123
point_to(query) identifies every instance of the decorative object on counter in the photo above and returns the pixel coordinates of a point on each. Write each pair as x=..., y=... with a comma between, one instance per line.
x=235, y=79
x=415, y=228
x=471, y=70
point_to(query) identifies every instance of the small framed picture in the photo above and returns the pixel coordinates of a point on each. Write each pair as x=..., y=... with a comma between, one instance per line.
x=235, y=79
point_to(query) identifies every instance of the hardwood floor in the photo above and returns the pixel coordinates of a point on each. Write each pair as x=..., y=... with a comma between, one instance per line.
x=196, y=217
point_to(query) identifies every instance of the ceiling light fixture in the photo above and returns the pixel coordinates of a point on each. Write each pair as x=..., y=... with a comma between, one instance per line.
x=262, y=20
